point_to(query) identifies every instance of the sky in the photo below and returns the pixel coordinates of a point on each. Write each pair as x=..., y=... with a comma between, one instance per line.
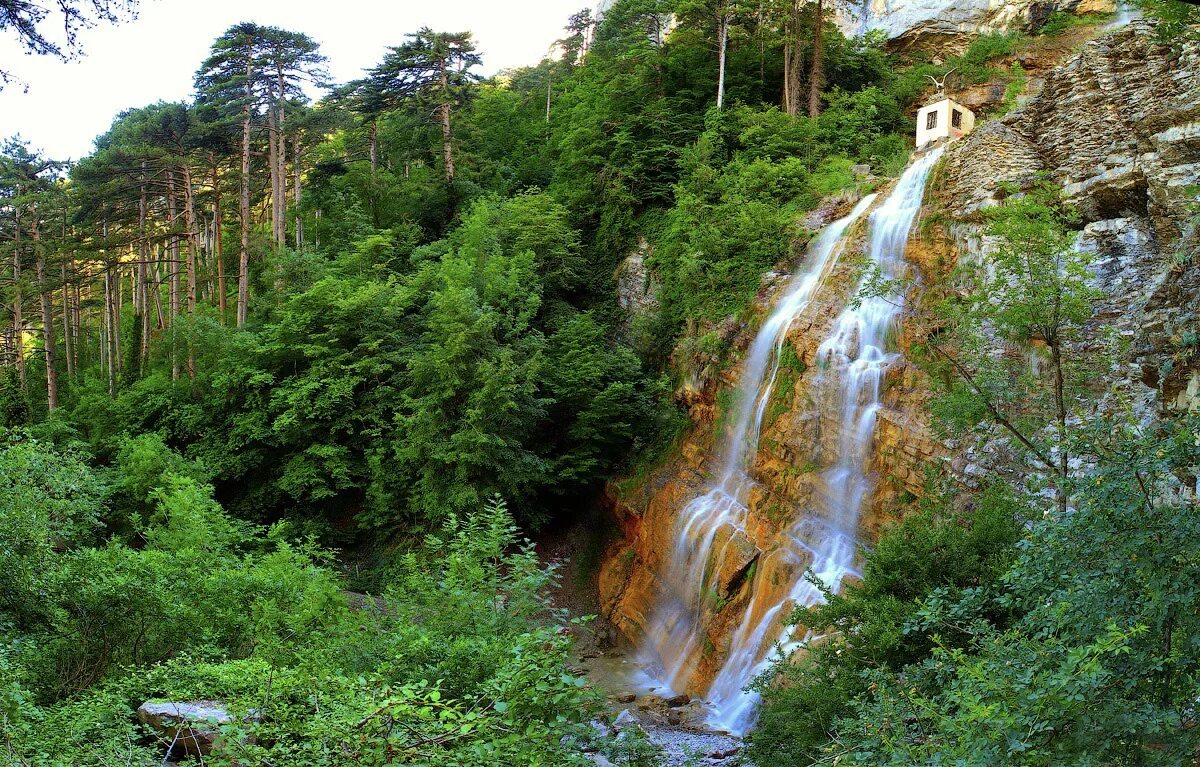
x=155, y=56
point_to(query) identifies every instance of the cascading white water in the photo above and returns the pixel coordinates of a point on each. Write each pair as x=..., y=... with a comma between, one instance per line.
x=674, y=630
x=1126, y=14
x=853, y=362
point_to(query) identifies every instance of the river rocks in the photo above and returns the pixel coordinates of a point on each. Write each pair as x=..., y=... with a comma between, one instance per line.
x=188, y=727
x=625, y=720
x=675, y=701
x=947, y=26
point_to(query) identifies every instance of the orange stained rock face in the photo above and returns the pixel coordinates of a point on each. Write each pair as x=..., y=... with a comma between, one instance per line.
x=750, y=570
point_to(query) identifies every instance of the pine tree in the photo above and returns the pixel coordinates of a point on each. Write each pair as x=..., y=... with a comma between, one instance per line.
x=431, y=69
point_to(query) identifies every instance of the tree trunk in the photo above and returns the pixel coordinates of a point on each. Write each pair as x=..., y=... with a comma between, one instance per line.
x=816, y=74
x=793, y=62
x=447, y=148
x=104, y=318
x=243, y=299
x=280, y=201
x=162, y=320
x=142, y=303
x=218, y=242
x=722, y=44
x=173, y=290
x=273, y=175
x=192, y=237
x=1060, y=412
x=18, y=319
x=112, y=284
x=296, y=189
x=373, y=146
x=47, y=318
x=193, y=245
x=68, y=341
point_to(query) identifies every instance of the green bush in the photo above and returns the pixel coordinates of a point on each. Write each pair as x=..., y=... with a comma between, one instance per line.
x=866, y=627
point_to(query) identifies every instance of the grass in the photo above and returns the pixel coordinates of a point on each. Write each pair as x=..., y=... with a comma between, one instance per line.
x=1060, y=22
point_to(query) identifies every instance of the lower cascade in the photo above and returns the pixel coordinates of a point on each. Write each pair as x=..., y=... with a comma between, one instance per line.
x=821, y=539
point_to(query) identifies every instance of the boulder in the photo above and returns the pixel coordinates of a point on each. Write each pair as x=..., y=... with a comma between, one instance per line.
x=190, y=728
x=625, y=719
x=733, y=554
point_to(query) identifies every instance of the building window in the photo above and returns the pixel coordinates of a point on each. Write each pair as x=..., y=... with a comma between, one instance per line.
x=931, y=121
x=956, y=119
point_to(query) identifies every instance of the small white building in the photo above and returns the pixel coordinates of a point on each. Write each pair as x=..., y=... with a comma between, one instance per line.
x=943, y=119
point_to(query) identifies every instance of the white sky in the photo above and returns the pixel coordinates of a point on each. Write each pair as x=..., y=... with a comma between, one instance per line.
x=154, y=57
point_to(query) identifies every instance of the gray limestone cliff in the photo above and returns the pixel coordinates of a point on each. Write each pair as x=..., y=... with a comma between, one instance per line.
x=949, y=24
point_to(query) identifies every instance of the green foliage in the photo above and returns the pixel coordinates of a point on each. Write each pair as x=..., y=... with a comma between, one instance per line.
x=866, y=626
x=972, y=67
x=49, y=501
x=460, y=661
x=1177, y=19
x=1101, y=666
x=745, y=182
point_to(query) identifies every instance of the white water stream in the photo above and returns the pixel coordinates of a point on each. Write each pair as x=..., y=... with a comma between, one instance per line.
x=822, y=539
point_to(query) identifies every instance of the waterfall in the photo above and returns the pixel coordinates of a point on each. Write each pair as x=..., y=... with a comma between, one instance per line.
x=1126, y=15
x=852, y=361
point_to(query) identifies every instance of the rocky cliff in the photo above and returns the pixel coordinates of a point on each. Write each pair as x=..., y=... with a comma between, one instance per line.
x=947, y=25
x=1118, y=125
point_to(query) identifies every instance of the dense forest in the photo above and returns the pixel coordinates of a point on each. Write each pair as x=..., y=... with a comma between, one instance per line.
x=292, y=339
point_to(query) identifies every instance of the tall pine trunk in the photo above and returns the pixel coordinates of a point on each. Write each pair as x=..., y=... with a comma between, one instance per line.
x=68, y=325
x=193, y=245
x=191, y=237
x=243, y=299
x=722, y=44
x=373, y=146
x=279, y=198
x=273, y=167
x=296, y=189
x=816, y=74
x=18, y=318
x=447, y=144
x=142, y=301
x=47, y=294
x=218, y=242
x=173, y=270
x=793, y=61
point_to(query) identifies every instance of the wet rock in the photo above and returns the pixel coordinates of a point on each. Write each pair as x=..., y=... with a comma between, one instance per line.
x=191, y=728
x=625, y=719
x=627, y=697
x=734, y=554
x=675, y=701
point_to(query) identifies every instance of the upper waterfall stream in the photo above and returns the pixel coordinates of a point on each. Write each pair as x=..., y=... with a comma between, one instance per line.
x=821, y=538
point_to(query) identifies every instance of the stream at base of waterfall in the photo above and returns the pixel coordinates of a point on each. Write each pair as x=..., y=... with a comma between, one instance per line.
x=820, y=544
